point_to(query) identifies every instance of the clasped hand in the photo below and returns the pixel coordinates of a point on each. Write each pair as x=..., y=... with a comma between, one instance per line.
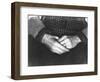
x=60, y=45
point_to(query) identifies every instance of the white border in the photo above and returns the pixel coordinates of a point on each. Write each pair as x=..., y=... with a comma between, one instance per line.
x=37, y=70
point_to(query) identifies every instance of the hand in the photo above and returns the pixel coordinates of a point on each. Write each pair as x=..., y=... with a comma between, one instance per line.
x=53, y=44
x=69, y=41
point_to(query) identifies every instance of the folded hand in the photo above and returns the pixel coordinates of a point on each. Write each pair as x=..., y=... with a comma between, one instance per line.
x=60, y=45
x=53, y=44
x=69, y=41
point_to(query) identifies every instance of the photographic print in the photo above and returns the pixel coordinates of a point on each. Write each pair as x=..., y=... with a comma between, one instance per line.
x=50, y=40
x=57, y=40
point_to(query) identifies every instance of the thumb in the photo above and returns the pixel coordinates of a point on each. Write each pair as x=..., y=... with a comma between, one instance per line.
x=55, y=37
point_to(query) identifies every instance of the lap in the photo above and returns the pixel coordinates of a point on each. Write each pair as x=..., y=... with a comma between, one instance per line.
x=40, y=55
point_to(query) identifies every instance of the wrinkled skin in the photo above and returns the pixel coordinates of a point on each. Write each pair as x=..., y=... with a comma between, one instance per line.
x=60, y=45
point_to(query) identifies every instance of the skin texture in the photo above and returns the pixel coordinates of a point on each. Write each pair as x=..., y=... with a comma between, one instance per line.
x=69, y=41
x=60, y=45
x=53, y=44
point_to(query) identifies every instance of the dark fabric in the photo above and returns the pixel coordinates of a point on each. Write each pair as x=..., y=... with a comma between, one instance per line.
x=60, y=25
x=34, y=26
x=40, y=55
x=83, y=38
x=41, y=34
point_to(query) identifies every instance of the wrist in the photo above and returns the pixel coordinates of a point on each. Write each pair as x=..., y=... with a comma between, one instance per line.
x=41, y=34
x=83, y=38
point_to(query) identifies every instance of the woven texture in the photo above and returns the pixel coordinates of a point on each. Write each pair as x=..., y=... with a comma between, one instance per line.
x=59, y=25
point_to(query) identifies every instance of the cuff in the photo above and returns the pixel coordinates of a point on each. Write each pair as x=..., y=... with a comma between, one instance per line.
x=83, y=38
x=41, y=34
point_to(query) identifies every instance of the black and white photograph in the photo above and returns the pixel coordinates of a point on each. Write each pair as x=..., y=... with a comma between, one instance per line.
x=50, y=40
x=57, y=40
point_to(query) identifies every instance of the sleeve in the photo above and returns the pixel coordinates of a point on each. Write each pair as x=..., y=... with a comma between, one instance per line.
x=83, y=35
x=35, y=25
x=36, y=28
x=83, y=38
x=85, y=32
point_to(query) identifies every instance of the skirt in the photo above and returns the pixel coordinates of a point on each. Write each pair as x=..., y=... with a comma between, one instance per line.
x=40, y=55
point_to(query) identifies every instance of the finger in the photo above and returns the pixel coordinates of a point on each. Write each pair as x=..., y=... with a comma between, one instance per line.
x=75, y=40
x=56, y=44
x=67, y=43
x=56, y=50
x=55, y=37
x=62, y=38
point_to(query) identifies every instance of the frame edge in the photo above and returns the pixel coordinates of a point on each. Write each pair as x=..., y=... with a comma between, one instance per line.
x=15, y=71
